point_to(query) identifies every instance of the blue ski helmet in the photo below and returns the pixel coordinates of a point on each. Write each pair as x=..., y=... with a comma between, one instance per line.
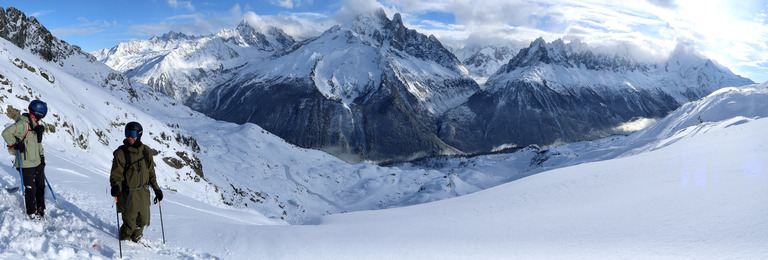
x=38, y=108
x=133, y=129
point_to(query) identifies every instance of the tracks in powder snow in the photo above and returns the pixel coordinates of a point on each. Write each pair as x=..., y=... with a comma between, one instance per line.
x=309, y=191
x=69, y=232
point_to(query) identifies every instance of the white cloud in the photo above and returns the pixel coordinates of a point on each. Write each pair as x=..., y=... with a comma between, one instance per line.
x=297, y=25
x=181, y=4
x=290, y=4
x=284, y=3
x=40, y=13
x=351, y=8
x=79, y=31
x=664, y=3
x=634, y=126
x=85, y=27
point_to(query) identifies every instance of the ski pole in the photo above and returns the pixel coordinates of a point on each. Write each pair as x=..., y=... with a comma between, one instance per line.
x=51, y=189
x=23, y=191
x=159, y=205
x=117, y=216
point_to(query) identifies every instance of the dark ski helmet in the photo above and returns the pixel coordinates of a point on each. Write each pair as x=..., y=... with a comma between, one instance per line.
x=133, y=129
x=38, y=108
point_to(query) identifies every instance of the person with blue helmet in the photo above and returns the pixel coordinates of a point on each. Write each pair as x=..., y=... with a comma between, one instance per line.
x=26, y=137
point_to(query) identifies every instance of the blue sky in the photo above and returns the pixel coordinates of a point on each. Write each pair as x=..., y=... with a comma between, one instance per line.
x=732, y=32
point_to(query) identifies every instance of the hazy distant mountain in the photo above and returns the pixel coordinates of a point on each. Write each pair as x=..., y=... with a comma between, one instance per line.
x=484, y=61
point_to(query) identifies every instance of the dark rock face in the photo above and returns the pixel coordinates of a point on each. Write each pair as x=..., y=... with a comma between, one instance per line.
x=383, y=126
x=527, y=113
x=28, y=33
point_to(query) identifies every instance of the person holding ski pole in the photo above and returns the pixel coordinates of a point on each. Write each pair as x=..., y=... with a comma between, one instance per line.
x=25, y=139
x=132, y=174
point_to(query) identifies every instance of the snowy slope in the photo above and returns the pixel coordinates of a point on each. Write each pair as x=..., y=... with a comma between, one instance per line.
x=683, y=201
x=696, y=196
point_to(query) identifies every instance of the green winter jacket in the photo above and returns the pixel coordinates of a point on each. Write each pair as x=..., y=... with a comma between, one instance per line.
x=31, y=157
x=134, y=183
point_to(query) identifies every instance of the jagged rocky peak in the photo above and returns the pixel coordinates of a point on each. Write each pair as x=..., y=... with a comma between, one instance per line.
x=175, y=36
x=369, y=23
x=573, y=54
x=376, y=25
x=375, y=28
x=265, y=38
x=533, y=54
x=28, y=33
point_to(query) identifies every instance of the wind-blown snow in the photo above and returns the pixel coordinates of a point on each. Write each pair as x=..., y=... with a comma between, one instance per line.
x=681, y=188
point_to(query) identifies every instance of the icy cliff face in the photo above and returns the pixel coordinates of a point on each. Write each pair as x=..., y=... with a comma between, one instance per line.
x=558, y=92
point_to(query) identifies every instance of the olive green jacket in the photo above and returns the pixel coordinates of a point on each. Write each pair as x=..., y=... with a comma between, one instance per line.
x=134, y=183
x=31, y=157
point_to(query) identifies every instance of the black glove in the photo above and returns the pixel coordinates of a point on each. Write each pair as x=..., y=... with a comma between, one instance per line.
x=39, y=130
x=115, y=190
x=158, y=196
x=42, y=160
x=19, y=147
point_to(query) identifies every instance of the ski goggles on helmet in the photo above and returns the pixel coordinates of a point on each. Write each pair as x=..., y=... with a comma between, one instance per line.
x=131, y=133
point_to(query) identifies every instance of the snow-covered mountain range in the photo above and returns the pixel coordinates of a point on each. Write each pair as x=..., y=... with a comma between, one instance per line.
x=374, y=90
x=184, y=67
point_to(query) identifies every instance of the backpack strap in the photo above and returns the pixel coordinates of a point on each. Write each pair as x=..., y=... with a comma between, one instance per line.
x=127, y=159
x=128, y=162
x=26, y=133
x=146, y=158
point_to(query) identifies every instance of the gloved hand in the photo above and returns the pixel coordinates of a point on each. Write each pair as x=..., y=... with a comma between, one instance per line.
x=158, y=196
x=115, y=190
x=42, y=160
x=19, y=147
x=39, y=130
